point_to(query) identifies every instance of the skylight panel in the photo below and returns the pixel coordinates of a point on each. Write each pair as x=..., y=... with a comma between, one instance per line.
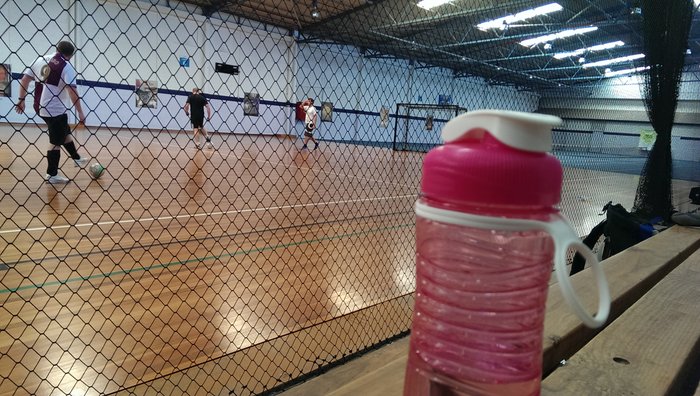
x=580, y=51
x=503, y=22
x=556, y=36
x=613, y=61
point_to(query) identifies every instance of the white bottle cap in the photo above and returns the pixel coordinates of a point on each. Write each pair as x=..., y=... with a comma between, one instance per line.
x=524, y=131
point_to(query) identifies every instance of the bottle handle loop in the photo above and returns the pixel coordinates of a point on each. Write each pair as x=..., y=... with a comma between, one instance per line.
x=564, y=238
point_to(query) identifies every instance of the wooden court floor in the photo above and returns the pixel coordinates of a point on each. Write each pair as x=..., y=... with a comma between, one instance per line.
x=177, y=256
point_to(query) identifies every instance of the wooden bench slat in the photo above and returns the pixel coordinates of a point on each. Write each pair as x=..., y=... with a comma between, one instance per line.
x=389, y=362
x=386, y=381
x=645, y=350
x=630, y=274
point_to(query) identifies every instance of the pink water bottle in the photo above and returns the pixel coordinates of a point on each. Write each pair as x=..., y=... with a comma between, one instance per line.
x=488, y=232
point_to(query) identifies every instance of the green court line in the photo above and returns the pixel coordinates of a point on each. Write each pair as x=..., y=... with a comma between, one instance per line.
x=184, y=262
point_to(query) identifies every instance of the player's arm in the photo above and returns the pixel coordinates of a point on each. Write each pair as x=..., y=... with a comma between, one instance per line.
x=23, y=88
x=187, y=107
x=208, y=111
x=75, y=99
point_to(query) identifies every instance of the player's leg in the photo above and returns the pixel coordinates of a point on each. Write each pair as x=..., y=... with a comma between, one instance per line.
x=307, y=136
x=206, y=136
x=69, y=145
x=196, y=137
x=53, y=154
x=197, y=124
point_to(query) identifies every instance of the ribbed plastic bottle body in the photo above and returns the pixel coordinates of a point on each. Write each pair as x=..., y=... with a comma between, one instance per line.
x=479, y=311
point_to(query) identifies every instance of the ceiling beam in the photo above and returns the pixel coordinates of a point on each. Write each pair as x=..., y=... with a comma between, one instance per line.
x=437, y=18
x=216, y=6
x=343, y=15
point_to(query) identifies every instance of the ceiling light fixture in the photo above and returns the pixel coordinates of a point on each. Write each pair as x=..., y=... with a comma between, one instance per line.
x=599, y=47
x=613, y=61
x=503, y=22
x=314, y=10
x=626, y=71
x=430, y=4
x=551, y=37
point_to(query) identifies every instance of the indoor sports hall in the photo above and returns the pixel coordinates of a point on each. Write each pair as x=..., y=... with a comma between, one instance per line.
x=246, y=258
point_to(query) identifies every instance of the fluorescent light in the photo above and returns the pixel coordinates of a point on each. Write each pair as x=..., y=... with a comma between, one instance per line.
x=428, y=4
x=501, y=23
x=599, y=47
x=614, y=60
x=551, y=37
x=626, y=71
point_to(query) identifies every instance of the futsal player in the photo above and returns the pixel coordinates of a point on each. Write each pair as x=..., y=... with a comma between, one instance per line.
x=55, y=84
x=194, y=108
x=310, y=122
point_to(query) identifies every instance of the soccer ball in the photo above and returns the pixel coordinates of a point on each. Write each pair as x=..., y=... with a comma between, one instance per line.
x=310, y=126
x=96, y=170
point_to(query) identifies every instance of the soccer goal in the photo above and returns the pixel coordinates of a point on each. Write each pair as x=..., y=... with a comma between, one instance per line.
x=418, y=126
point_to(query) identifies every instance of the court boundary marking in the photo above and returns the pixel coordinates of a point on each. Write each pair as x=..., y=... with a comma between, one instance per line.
x=119, y=248
x=201, y=259
x=205, y=214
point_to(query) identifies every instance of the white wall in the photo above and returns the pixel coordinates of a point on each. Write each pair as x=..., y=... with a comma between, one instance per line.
x=613, y=113
x=359, y=86
x=120, y=41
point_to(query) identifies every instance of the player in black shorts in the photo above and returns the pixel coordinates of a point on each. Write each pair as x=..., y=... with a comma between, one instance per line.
x=55, y=91
x=194, y=108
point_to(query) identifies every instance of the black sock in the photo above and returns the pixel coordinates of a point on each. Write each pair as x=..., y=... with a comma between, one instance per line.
x=70, y=148
x=208, y=139
x=53, y=157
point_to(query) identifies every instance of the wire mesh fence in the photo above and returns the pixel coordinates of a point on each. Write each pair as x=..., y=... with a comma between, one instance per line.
x=229, y=246
x=418, y=126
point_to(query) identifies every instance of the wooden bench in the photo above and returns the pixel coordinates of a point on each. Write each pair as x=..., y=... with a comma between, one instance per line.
x=649, y=346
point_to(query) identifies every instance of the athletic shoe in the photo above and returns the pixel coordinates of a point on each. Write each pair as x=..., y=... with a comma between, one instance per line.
x=690, y=219
x=81, y=162
x=57, y=179
x=210, y=146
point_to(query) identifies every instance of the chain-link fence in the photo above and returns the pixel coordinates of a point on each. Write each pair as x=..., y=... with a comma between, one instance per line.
x=229, y=247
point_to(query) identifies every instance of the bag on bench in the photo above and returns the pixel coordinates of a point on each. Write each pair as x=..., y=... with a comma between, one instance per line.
x=694, y=195
x=621, y=229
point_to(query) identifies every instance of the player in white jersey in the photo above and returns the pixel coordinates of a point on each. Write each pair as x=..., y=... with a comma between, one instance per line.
x=310, y=122
x=55, y=78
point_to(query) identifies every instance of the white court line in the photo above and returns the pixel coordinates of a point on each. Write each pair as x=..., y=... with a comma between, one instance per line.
x=147, y=219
